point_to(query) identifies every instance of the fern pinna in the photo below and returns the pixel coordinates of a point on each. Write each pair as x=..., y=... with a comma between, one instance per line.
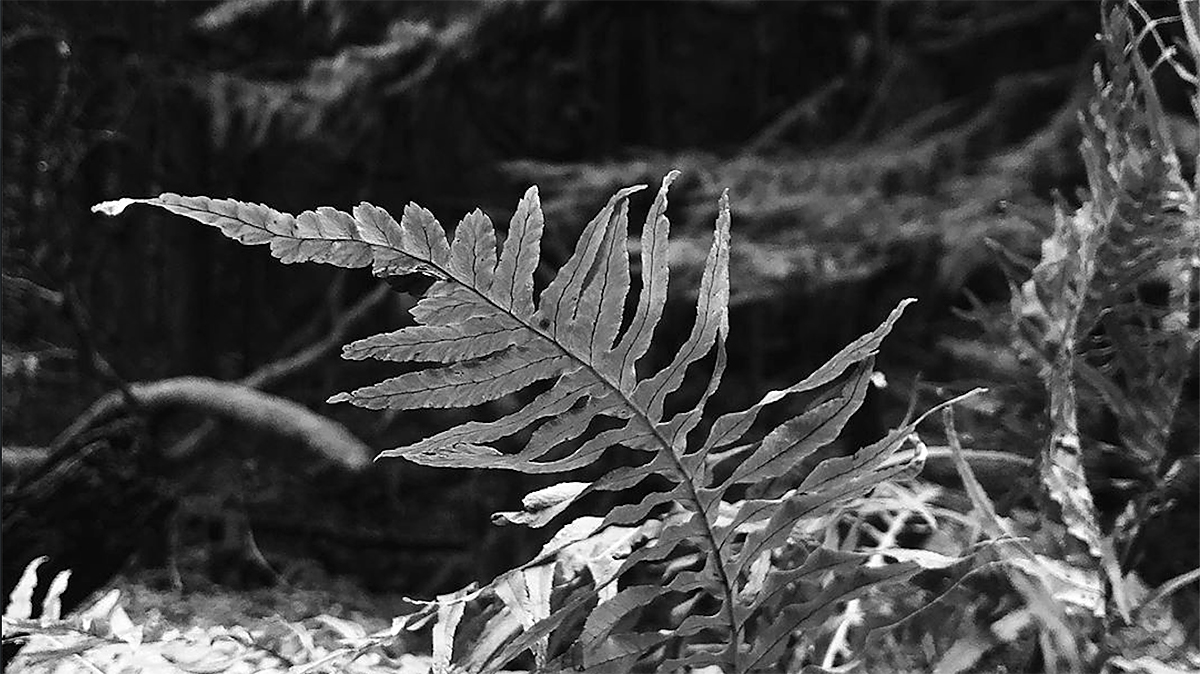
x=486, y=337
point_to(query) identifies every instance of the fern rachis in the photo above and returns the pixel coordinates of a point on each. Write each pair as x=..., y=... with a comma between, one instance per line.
x=479, y=326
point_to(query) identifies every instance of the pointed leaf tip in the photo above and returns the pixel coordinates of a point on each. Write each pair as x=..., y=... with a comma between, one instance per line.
x=114, y=207
x=542, y=505
x=20, y=600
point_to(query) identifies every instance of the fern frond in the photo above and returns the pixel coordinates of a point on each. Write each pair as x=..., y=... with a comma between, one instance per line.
x=484, y=336
x=1080, y=317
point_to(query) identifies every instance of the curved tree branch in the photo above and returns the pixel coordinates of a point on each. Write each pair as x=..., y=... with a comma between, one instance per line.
x=236, y=402
x=240, y=401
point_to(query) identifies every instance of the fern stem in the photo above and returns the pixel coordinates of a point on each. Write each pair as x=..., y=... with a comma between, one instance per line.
x=665, y=446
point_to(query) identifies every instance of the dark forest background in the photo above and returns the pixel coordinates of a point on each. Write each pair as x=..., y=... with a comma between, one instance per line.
x=872, y=151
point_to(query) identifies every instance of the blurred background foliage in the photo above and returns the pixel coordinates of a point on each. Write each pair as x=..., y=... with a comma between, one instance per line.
x=872, y=151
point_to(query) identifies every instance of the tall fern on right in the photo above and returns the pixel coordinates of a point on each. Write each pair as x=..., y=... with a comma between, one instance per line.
x=752, y=583
x=1082, y=317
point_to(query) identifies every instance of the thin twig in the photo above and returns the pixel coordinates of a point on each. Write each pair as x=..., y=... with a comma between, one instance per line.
x=807, y=106
x=1165, y=590
x=335, y=337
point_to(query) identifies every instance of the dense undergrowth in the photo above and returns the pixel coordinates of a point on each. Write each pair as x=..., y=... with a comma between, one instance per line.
x=748, y=541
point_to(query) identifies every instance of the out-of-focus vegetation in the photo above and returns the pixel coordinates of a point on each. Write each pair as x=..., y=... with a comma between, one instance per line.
x=872, y=152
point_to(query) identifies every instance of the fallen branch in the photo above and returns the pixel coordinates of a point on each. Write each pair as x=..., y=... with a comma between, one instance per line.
x=240, y=401
x=236, y=402
x=274, y=371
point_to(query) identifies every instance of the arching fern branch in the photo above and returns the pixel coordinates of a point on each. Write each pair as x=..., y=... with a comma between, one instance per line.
x=487, y=337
